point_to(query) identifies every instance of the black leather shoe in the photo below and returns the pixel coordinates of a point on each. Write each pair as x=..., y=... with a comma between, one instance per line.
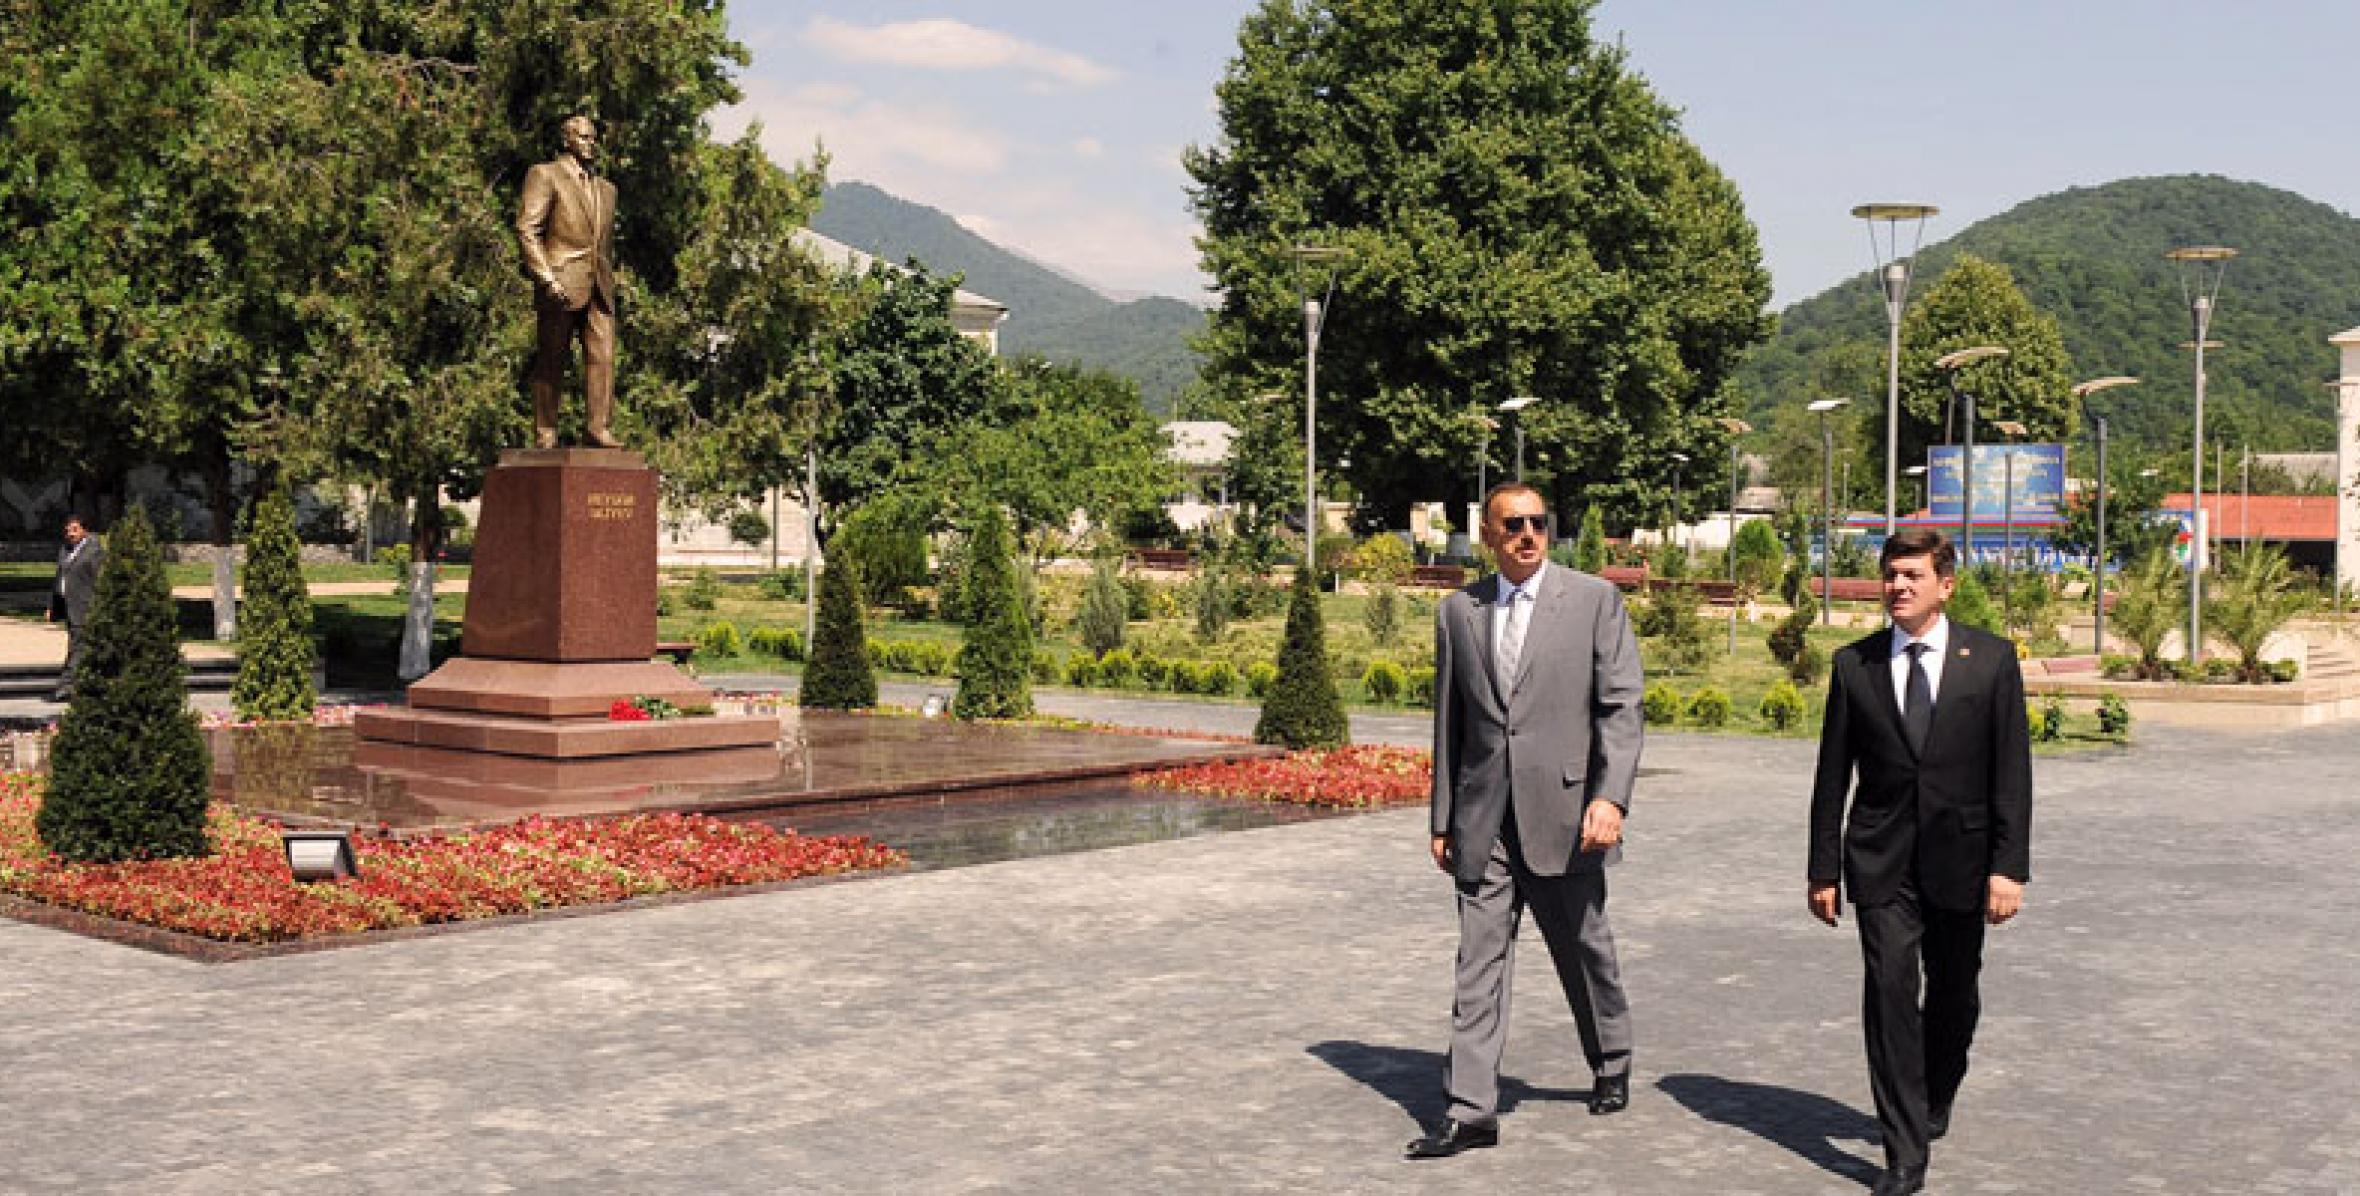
x=1456, y=1137
x=1937, y=1122
x=1611, y=1094
x=1900, y=1181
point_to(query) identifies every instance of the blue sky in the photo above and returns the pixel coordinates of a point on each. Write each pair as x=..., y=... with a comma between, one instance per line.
x=1055, y=126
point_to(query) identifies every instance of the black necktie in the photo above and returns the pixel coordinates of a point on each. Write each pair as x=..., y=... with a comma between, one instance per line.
x=1917, y=711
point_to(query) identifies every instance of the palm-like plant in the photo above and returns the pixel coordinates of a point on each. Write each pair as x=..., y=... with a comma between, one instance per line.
x=2257, y=597
x=2151, y=603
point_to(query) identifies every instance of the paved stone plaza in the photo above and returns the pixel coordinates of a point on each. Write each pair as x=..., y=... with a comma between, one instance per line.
x=1256, y=1011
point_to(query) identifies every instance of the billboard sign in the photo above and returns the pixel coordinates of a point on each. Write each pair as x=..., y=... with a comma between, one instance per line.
x=2031, y=477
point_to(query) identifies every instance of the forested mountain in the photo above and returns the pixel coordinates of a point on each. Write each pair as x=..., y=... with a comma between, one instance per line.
x=2093, y=258
x=1049, y=314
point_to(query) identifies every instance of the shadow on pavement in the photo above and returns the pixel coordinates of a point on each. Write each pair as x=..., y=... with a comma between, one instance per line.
x=1803, y=1122
x=1413, y=1078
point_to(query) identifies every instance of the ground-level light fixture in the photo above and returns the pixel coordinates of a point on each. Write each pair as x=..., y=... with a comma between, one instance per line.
x=320, y=855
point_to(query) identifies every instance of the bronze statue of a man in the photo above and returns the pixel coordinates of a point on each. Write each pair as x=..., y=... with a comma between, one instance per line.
x=567, y=229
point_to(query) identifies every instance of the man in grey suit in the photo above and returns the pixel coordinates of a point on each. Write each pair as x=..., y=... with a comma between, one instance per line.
x=1537, y=730
x=77, y=582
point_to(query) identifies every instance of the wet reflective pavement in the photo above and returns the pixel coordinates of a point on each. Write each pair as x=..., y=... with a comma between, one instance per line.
x=308, y=775
x=959, y=831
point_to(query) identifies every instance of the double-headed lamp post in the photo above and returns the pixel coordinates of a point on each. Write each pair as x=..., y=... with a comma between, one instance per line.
x=1951, y=363
x=2084, y=392
x=2201, y=270
x=1737, y=428
x=1827, y=508
x=1314, y=319
x=1512, y=407
x=1893, y=268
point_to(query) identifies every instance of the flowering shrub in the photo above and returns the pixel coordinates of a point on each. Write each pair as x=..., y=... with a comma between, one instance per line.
x=1349, y=776
x=642, y=708
x=243, y=892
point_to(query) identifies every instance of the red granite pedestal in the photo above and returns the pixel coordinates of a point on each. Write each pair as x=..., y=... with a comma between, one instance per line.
x=561, y=625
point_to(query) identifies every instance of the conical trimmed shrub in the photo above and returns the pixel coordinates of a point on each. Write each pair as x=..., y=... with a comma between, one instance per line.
x=838, y=676
x=995, y=655
x=129, y=772
x=1303, y=709
x=274, y=621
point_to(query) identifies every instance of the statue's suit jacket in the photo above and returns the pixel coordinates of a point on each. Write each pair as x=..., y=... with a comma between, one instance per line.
x=1566, y=729
x=1949, y=817
x=77, y=583
x=563, y=238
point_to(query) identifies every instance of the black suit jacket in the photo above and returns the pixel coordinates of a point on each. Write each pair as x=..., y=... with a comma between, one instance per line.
x=1948, y=819
x=77, y=583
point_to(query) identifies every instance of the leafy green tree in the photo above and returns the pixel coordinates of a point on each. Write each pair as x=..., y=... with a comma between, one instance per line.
x=1211, y=593
x=1976, y=303
x=2153, y=603
x=903, y=377
x=1105, y=608
x=2256, y=596
x=995, y=656
x=2134, y=521
x=1056, y=439
x=1382, y=615
x=1303, y=709
x=129, y=773
x=275, y=652
x=1759, y=560
x=1523, y=216
x=1589, y=550
x=887, y=536
x=1970, y=604
x=839, y=675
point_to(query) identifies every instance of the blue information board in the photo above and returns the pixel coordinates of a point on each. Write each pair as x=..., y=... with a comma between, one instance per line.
x=2032, y=475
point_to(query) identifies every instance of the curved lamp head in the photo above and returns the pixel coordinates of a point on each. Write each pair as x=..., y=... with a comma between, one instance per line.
x=2010, y=427
x=1318, y=253
x=2083, y=390
x=1895, y=211
x=1823, y=406
x=2201, y=253
x=1734, y=426
x=1968, y=356
x=1520, y=402
x=1915, y=471
x=1680, y=458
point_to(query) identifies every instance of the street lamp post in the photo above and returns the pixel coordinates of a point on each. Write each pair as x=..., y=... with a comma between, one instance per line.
x=1314, y=319
x=2201, y=270
x=1736, y=428
x=1678, y=460
x=1918, y=472
x=2083, y=392
x=2013, y=430
x=1827, y=508
x=1512, y=406
x=1893, y=280
x=1951, y=363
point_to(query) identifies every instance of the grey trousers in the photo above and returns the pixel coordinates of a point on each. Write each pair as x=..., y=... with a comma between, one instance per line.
x=1571, y=910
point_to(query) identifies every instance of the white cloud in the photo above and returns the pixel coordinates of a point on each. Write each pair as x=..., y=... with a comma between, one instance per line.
x=893, y=145
x=1107, y=244
x=944, y=44
x=1089, y=147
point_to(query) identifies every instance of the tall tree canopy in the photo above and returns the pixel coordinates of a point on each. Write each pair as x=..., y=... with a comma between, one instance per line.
x=1976, y=303
x=1523, y=216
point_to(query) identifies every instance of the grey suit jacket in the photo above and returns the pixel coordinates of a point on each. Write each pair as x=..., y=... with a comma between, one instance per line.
x=1565, y=731
x=77, y=583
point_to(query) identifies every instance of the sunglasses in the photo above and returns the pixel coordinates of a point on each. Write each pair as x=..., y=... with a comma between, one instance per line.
x=1517, y=525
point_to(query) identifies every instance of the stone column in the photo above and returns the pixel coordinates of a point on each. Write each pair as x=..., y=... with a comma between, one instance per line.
x=2347, y=460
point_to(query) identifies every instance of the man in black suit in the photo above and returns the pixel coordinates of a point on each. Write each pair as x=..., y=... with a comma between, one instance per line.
x=1930, y=715
x=77, y=581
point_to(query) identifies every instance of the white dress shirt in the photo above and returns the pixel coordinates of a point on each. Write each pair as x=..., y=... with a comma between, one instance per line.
x=1511, y=594
x=1937, y=641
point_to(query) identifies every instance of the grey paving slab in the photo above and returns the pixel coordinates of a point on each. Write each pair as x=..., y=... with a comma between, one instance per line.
x=1255, y=1011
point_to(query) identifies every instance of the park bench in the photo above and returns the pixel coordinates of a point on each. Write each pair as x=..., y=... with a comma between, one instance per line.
x=678, y=650
x=1851, y=589
x=1174, y=559
x=1438, y=577
x=1627, y=577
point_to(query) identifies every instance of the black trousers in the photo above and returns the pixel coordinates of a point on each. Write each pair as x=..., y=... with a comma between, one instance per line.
x=1917, y=1053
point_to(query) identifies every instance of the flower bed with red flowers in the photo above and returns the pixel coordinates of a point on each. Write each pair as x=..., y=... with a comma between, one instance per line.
x=1355, y=777
x=244, y=893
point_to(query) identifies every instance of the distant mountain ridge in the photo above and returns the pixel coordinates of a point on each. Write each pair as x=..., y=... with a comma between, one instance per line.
x=2093, y=258
x=1049, y=313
